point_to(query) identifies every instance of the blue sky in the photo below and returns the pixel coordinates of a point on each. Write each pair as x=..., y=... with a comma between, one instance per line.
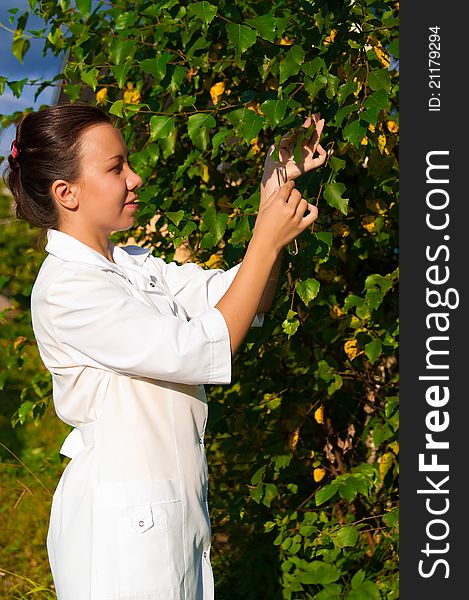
x=35, y=66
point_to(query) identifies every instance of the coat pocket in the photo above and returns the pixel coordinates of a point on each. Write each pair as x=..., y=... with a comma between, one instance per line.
x=139, y=540
x=144, y=555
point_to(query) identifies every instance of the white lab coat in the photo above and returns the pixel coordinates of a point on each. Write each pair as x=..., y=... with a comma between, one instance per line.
x=129, y=347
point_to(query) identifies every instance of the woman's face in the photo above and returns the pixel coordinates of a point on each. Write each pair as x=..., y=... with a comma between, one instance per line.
x=105, y=193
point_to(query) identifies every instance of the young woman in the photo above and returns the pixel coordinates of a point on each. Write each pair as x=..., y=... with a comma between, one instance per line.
x=130, y=341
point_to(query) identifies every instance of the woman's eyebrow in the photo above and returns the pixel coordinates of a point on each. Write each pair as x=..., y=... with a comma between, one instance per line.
x=118, y=156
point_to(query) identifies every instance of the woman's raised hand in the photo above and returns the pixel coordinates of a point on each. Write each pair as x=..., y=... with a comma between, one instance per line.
x=281, y=217
x=309, y=147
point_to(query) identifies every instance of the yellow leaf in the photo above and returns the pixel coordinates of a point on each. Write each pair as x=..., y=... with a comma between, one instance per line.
x=329, y=39
x=205, y=175
x=369, y=223
x=131, y=95
x=254, y=105
x=394, y=447
x=319, y=474
x=101, y=96
x=336, y=311
x=371, y=127
x=392, y=126
x=364, y=141
x=286, y=41
x=216, y=91
x=376, y=205
x=19, y=340
x=311, y=454
x=382, y=55
x=255, y=145
x=385, y=464
x=319, y=415
x=340, y=229
x=295, y=436
x=381, y=143
x=215, y=261
x=351, y=349
x=359, y=87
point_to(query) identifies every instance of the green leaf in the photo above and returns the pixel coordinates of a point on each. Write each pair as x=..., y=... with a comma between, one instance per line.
x=344, y=112
x=168, y=143
x=120, y=72
x=265, y=25
x=215, y=223
x=332, y=591
x=393, y=48
x=325, y=494
x=156, y=66
x=373, y=350
x=357, y=579
x=311, y=67
x=246, y=122
x=84, y=6
x=199, y=126
x=354, y=132
x=333, y=195
x=336, y=164
x=377, y=282
x=175, y=217
x=366, y=591
x=290, y=324
x=117, y=108
x=257, y=492
x=347, y=488
x=314, y=86
x=203, y=10
x=241, y=36
x=377, y=100
x=344, y=91
x=90, y=77
x=121, y=50
x=17, y=86
x=307, y=289
x=270, y=492
x=161, y=126
x=391, y=519
x=19, y=47
x=379, y=80
x=291, y=64
x=274, y=110
x=218, y=139
x=346, y=536
x=258, y=475
x=317, y=572
x=332, y=85
x=351, y=301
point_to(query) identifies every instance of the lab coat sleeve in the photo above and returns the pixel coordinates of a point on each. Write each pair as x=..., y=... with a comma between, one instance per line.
x=199, y=289
x=97, y=322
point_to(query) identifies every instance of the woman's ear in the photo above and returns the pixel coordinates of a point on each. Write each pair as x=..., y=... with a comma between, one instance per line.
x=65, y=194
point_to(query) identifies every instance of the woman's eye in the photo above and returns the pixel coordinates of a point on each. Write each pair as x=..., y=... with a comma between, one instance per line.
x=118, y=168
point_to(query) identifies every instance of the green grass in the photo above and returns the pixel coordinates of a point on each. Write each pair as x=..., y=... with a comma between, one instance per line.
x=26, y=486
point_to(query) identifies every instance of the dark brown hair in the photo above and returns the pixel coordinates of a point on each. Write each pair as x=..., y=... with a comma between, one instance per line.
x=48, y=142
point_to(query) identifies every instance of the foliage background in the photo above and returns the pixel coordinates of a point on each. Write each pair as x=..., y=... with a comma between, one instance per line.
x=303, y=445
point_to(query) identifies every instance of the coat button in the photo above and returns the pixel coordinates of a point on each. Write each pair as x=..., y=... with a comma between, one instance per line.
x=152, y=284
x=141, y=523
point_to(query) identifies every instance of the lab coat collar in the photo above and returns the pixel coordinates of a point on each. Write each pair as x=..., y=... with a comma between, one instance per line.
x=69, y=248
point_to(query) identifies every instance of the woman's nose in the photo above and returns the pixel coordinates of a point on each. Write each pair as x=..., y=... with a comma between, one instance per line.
x=133, y=180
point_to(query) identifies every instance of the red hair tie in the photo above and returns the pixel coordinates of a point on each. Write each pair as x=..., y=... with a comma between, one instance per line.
x=14, y=149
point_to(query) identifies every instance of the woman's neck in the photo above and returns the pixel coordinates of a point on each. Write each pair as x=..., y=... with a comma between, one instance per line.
x=96, y=241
